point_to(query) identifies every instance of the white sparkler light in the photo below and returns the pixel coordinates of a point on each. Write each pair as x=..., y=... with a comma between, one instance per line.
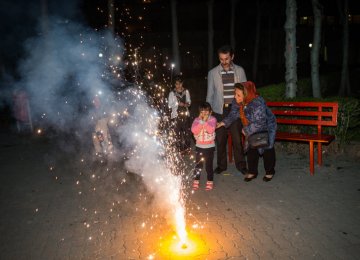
x=100, y=55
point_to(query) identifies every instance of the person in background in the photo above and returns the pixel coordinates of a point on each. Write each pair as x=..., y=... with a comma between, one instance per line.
x=101, y=136
x=179, y=102
x=256, y=117
x=22, y=113
x=220, y=93
x=203, y=129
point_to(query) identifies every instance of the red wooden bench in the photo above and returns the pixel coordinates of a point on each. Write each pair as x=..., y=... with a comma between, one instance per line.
x=303, y=113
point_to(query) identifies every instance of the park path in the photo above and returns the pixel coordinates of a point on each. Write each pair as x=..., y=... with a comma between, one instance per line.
x=54, y=205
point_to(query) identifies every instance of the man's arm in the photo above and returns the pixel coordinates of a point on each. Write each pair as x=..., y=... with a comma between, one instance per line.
x=240, y=74
x=210, y=88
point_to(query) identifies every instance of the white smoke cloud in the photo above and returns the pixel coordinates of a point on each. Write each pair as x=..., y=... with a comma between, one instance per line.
x=63, y=72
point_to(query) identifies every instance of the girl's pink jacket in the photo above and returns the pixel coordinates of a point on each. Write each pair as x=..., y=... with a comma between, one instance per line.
x=204, y=132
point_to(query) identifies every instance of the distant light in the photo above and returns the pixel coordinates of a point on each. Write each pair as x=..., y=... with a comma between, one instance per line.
x=310, y=45
x=100, y=55
x=172, y=65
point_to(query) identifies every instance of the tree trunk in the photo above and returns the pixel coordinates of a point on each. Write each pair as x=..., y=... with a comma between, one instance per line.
x=270, y=46
x=315, y=50
x=111, y=18
x=210, y=34
x=290, y=49
x=344, y=84
x=175, y=38
x=257, y=40
x=45, y=27
x=232, y=24
x=44, y=17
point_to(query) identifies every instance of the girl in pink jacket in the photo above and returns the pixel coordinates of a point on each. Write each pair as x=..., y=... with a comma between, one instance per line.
x=203, y=129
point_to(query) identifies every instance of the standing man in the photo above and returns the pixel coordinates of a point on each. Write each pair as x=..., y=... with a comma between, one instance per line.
x=220, y=93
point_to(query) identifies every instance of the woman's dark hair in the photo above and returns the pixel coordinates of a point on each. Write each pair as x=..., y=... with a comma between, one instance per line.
x=205, y=106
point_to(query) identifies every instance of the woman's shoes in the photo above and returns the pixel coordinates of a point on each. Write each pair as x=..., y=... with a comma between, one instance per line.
x=250, y=177
x=268, y=177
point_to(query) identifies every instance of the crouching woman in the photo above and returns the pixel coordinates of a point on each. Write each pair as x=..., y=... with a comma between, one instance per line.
x=256, y=117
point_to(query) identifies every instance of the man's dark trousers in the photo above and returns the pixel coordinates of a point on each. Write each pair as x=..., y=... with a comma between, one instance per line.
x=221, y=142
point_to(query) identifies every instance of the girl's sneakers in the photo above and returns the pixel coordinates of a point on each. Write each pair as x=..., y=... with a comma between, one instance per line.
x=196, y=185
x=209, y=185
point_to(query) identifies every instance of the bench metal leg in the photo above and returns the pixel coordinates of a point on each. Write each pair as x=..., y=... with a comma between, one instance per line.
x=319, y=154
x=311, y=157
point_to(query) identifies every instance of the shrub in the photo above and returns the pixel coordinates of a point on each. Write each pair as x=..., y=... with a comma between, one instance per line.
x=348, y=121
x=274, y=92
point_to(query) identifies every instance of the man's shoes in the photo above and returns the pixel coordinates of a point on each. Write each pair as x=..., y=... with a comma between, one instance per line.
x=218, y=170
x=250, y=177
x=268, y=177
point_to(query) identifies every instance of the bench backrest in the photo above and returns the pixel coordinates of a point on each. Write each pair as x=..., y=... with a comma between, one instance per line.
x=305, y=113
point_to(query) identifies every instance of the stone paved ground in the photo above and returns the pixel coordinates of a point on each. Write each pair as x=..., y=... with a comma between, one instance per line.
x=55, y=206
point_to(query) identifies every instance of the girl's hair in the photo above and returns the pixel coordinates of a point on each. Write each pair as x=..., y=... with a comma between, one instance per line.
x=178, y=78
x=242, y=88
x=205, y=106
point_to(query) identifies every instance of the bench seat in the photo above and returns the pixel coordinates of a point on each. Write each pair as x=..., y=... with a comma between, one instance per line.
x=322, y=138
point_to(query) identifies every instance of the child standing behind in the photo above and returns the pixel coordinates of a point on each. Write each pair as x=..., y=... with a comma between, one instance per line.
x=179, y=102
x=203, y=129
